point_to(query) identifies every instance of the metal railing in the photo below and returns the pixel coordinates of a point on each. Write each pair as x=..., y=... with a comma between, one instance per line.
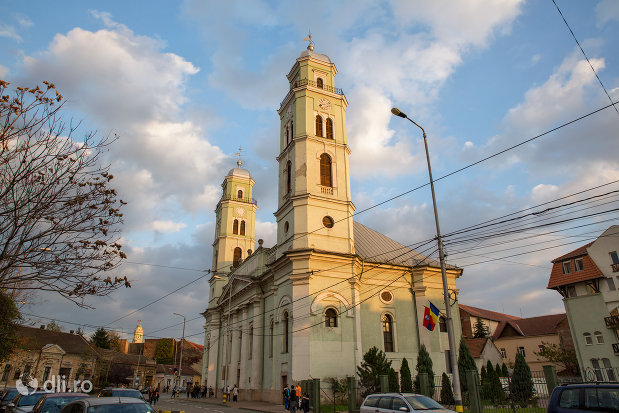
x=612, y=321
x=615, y=267
x=307, y=82
x=234, y=198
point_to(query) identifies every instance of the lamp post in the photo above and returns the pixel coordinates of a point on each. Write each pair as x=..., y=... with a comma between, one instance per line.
x=450, y=330
x=226, y=349
x=180, y=363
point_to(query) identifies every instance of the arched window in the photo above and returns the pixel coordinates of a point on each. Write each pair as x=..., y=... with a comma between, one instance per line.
x=599, y=338
x=288, y=177
x=325, y=170
x=285, y=331
x=239, y=195
x=235, y=227
x=236, y=260
x=588, y=339
x=329, y=128
x=271, y=339
x=442, y=324
x=388, y=333
x=318, y=125
x=291, y=130
x=251, y=341
x=242, y=227
x=319, y=83
x=330, y=318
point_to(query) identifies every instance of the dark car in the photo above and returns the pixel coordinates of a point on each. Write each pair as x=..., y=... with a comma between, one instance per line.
x=589, y=398
x=400, y=402
x=54, y=402
x=120, y=392
x=23, y=403
x=7, y=397
x=108, y=405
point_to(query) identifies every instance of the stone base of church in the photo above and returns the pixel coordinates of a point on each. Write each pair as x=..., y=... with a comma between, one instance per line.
x=267, y=395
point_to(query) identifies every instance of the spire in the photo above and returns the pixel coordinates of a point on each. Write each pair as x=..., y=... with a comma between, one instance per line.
x=310, y=46
x=239, y=162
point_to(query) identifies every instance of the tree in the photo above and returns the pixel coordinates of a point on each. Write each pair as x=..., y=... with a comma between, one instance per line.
x=114, y=341
x=447, y=395
x=480, y=330
x=504, y=371
x=498, y=370
x=484, y=382
x=374, y=364
x=59, y=217
x=406, y=379
x=337, y=386
x=9, y=316
x=424, y=365
x=521, y=386
x=466, y=362
x=53, y=326
x=394, y=386
x=100, y=338
x=119, y=373
x=164, y=352
x=494, y=389
x=564, y=357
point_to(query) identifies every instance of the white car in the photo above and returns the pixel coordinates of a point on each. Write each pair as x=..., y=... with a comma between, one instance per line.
x=108, y=405
x=400, y=402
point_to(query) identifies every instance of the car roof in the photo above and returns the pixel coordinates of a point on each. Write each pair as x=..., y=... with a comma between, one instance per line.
x=395, y=394
x=98, y=401
x=597, y=384
x=66, y=394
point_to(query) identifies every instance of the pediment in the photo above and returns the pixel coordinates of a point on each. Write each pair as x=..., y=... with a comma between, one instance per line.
x=53, y=349
x=236, y=283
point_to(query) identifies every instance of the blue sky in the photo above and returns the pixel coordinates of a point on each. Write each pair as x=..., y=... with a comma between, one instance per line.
x=184, y=84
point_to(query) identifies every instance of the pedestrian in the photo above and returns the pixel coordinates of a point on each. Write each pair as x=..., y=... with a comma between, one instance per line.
x=286, y=395
x=299, y=394
x=293, y=399
x=305, y=403
x=156, y=396
x=188, y=390
x=173, y=392
x=235, y=394
x=210, y=391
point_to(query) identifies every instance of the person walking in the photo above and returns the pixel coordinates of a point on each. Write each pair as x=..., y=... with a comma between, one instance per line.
x=299, y=394
x=305, y=403
x=235, y=394
x=286, y=395
x=293, y=399
x=210, y=391
x=155, y=396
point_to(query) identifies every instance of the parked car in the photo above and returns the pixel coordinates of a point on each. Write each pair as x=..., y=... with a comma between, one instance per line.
x=24, y=403
x=54, y=402
x=120, y=392
x=7, y=397
x=399, y=402
x=589, y=398
x=108, y=405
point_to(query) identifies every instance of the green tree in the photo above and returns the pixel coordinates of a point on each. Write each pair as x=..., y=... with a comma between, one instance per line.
x=114, y=340
x=164, y=351
x=494, y=390
x=53, y=326
x=424, y=365
x=484, y=383
x=447, y=395
x=498, y=370
x=522, y=383
x=480, y=330
x=504, y=371
x=564, y=357
x=466, y=362
x=374, y=364
x=100, y=338
x=394, y=386
x=337, y=387
x=406, y=383
x=9, y=316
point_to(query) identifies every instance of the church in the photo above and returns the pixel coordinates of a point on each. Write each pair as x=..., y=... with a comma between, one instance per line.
x=331, y=288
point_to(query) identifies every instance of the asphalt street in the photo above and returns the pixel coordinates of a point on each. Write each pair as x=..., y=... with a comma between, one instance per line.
x=192, y=406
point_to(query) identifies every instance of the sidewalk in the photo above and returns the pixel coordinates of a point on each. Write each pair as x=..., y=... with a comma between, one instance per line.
x=255, y=406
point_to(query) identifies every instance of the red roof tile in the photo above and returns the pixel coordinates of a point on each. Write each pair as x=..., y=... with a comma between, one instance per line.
x=576, y=253
x=590, y=272
x=533, y=326
x=476, y=345
x=487, y=314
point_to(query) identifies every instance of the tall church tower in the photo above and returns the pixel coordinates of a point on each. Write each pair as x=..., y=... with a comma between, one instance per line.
x=235, y=225
x=314, y=201
x=138, y=333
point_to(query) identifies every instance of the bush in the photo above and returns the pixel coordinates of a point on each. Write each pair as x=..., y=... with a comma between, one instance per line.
x=447, y=395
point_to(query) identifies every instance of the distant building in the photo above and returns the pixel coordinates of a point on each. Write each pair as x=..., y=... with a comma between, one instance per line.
x=490, y=319
x=484, y=350
x=165, y=376
x=586, y=279
x=138, y=371
x=138, y=333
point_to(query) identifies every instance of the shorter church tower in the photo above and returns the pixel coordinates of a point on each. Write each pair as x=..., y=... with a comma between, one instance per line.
x=138, y=333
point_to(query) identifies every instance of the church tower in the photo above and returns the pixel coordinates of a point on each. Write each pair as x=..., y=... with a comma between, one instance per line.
x=235, y=225
x=314, y=203
x=138, y=333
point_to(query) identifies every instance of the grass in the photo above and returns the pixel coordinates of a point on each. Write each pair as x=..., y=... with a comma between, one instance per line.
x=328, y=408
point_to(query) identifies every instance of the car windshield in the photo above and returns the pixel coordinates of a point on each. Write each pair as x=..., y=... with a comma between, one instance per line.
x=423, y=403
x=127, y=393
x=55, y=404
x=10, y=395
x=30, y=399
x=121, y=408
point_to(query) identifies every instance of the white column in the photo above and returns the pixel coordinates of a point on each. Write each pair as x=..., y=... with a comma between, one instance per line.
x=354, y=292
x=244, y=350
x=210, y=366
x=234, y=349
x=299, y=346
x=260, y=337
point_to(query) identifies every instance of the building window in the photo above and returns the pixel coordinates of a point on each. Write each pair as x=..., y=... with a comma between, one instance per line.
x=242, y=227
x=286, y=227
x=329, y=128
x=571, y=291
x=46, y=373
x=17, y=374
x=592, y=288
x=6, y=372
x=251, y=341
x=319, y=84
x=330, y=318
x=599, y=338
x=236, y=260
x=291, y=130
x=325, y=170
x=503, y=353
x=319, y=126
x=235, y=227
x=26, y=374
x=271, y=339
x=442, y=324
x=610, y=372
x=614, y=257
x=521, y=351
x=597, y=370
x=579, y=264
x=588, y=339
x=388, y=333
x=611, y=284
x=328, y=222
x=285, y=331
x=541, y=348
x=239, y=194
x=288, y=177
x=567, y=268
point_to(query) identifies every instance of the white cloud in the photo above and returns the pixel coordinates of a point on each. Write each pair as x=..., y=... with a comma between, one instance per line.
x=267, y=231
x=3, y=71
x=606, y=11
x=10, y=32
x=542, y=193
x=167, y=226
x=23, y=21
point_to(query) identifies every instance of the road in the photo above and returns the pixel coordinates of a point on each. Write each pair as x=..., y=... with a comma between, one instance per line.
x=192, y=406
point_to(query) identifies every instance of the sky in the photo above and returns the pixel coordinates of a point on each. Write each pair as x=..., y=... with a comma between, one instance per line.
x=184, y=84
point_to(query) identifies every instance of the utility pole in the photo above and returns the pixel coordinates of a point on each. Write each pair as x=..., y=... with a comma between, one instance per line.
x=180, y=364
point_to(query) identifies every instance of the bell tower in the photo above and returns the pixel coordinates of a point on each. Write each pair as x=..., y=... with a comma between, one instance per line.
x=314, y=203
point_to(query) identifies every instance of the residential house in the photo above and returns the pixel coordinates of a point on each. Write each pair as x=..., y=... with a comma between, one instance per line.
x=165, y=377
x=484, y=350
x=586, y=279
x=490, y=319
x=134, y=369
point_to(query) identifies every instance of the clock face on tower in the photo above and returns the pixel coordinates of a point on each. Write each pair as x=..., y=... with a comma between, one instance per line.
x=324, y=104
x=240, y=211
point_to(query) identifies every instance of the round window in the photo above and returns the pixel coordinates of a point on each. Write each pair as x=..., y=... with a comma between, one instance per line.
x=386, y=296
x=286, y=227
x=327, y=221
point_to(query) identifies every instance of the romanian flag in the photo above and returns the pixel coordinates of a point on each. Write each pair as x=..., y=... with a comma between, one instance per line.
x=430, y=317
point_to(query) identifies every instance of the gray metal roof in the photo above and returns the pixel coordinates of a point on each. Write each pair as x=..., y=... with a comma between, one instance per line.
x=372, y=246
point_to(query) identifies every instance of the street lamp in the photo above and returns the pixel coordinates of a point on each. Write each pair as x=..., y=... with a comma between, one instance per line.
x=450, y=331
x=227, y=366
x=180, y=363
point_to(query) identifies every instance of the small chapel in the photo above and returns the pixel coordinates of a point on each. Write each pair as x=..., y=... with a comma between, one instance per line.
x=331, y=288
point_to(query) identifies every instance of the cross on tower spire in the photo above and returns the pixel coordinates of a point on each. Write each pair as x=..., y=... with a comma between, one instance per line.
x=239, y=162
x=310, y=46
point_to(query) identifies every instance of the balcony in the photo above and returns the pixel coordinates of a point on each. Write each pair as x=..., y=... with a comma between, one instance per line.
x=306, y=82
x=233, y=198
x=612, y=321
x=326, y=190
x=615, y=267
x=616, y=348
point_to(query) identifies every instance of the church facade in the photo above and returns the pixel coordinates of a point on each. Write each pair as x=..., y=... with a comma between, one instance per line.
x=331, y=288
